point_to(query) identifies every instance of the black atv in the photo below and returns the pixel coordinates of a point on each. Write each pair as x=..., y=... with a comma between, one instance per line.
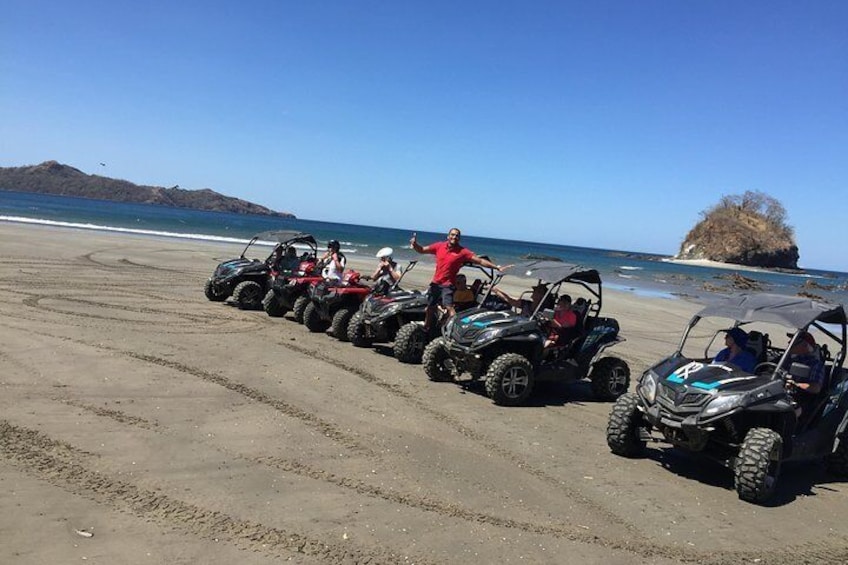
x=335, y=304
x=746, y=420
x=506, y=349
x=398, y=316
x=247, y=280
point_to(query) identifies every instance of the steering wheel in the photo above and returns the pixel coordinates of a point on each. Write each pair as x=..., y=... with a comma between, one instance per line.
x=765, y=368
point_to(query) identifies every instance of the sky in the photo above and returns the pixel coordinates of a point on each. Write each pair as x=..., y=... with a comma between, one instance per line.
x=606, y=124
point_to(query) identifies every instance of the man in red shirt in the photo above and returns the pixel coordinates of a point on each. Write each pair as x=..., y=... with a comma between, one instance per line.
x=450, y=256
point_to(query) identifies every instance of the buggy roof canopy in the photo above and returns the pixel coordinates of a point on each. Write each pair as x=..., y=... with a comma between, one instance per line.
x=555, y=271
x=284, y=236
x=792, y=311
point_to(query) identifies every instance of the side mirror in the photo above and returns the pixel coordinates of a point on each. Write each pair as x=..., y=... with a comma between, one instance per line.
x=800, y=371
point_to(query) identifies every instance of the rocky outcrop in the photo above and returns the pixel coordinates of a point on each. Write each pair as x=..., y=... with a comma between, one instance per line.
x=746, y=230
x=51, y=177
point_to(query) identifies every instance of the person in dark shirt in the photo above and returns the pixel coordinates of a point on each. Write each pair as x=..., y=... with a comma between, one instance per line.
x=805, y=389
x=735, y=340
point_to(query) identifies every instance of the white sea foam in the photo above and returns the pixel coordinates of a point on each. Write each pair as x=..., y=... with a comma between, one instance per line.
x=154, y=233
x=629, y=268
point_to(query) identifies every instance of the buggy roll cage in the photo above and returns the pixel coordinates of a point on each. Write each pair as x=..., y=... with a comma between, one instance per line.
x=283, y=237
x=793, y=312
x=555, y=274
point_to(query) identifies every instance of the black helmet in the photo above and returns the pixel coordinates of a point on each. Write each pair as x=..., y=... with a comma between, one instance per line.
x=333, y=244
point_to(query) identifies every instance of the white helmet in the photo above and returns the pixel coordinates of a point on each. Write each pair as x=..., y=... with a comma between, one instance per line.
x=385, y=252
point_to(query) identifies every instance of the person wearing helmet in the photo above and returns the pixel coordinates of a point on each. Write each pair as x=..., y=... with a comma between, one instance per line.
x=387, y=272
x=334, y=262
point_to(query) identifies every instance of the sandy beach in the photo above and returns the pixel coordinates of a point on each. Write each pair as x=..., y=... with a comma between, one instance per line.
x=143, y=424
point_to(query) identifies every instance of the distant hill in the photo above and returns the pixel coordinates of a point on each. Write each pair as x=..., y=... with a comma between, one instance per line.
x=51, y=177
x=750, y=230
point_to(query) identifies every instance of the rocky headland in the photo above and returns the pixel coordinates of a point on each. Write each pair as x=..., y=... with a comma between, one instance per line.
x=52, y=177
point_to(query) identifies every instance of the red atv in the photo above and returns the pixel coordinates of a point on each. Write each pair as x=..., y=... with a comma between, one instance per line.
x=334, y=304
x=292, y=293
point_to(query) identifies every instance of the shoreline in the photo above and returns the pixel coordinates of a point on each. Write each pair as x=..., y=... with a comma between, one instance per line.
x=721, y=265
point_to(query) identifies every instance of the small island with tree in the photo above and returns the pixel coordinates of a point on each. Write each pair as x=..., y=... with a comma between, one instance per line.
x=749, y=229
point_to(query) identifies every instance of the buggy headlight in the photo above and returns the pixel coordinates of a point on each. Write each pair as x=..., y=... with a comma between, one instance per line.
x=488, y=335
x=648, y=387
x=722, y=403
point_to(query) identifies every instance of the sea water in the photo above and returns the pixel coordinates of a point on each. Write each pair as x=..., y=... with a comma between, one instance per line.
x=633, y=271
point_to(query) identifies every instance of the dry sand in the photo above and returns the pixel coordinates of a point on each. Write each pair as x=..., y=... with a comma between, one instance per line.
x=177, y=430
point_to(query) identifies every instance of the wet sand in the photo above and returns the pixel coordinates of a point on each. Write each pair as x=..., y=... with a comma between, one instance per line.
x=142, y=423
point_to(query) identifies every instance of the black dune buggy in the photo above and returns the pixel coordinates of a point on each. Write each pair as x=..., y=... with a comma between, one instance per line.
x=747, y=421
x=247, y=280
x=398, y=317
x=506, y=349
x=335, y=304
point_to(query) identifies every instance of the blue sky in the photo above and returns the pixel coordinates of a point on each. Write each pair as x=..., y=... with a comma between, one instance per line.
x=600, y=124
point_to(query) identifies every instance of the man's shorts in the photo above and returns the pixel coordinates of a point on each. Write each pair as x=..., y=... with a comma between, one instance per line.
x=440, y=294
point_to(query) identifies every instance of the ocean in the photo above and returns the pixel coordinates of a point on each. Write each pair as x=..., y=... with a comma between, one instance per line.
x=631, y=271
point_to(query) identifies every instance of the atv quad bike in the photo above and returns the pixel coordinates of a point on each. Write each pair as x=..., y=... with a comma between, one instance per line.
x=506, y=349
x=746, y=421
x=334, y=305
x=291, y=293
x=398, y=317
x=247, y=280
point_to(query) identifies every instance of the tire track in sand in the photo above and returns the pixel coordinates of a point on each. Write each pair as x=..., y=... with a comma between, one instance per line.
x=326, y=429
x=35, y=454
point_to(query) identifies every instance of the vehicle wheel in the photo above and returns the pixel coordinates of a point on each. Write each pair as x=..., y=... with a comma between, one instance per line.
x=299, y=307
x=248, y=295
x=272, y=306
x=434, y=357
x=312, y=318
x=510, y=379
x=341, y=320
x=610, y=378
x=623, y=427
x=758, y=464
x=409, y=343
x=356, y=331
x=212, y=294
x=837, y=462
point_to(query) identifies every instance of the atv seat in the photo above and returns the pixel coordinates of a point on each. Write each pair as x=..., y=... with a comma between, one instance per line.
x=757, y=345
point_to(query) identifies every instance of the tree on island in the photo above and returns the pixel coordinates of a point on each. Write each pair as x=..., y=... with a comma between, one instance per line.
x=749, y=229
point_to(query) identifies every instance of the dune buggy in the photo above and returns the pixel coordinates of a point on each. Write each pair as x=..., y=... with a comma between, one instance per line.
x=506, y=349
x=399, y=317
x=747, y=421
x=247, y=280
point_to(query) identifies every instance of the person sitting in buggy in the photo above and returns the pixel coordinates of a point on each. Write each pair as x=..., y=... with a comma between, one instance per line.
x=522, y=305
x=464, y=295
x=805, y=389
x=736, y=350
x=563, y=324
x=288, y=261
